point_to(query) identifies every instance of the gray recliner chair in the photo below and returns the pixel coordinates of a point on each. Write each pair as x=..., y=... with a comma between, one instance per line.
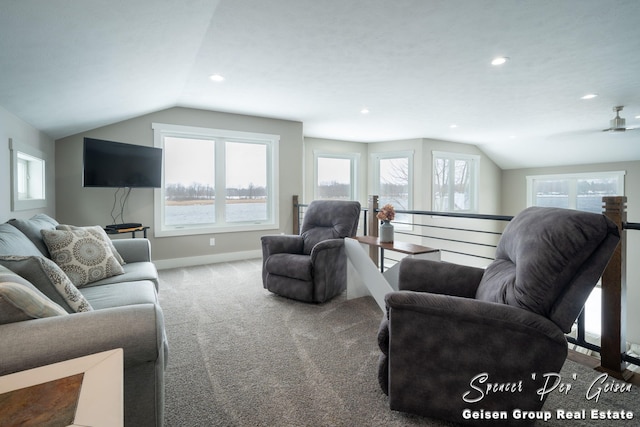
x=312, y=266
x=452, y=330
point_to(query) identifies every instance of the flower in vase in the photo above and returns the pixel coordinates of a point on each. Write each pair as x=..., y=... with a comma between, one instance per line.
x=387, y=213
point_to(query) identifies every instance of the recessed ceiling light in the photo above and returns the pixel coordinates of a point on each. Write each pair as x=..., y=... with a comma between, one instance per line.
x=453, y=126
x=637, y=117
x=590, y=96
x=216, y=78
x=499, y=60
x=364, y=111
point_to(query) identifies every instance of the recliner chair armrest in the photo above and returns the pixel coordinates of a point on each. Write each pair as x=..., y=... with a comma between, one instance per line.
x=281, y=243
x=500, y=318
x=438, y=277
x=325, y=245
x=329, y=263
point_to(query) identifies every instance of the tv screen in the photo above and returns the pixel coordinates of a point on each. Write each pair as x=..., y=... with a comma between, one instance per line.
x=115, y=164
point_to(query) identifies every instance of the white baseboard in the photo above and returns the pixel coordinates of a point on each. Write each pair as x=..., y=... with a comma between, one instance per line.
x=163, y=264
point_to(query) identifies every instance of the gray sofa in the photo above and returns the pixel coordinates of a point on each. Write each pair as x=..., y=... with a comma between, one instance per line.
x=57, y=320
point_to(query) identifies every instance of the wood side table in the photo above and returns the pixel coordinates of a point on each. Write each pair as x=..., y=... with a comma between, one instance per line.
x=132, y=230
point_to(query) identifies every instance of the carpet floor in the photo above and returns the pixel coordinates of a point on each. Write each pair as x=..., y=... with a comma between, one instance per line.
x=241, y=356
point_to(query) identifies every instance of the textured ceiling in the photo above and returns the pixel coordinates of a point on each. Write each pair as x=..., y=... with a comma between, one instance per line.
x=417, y=65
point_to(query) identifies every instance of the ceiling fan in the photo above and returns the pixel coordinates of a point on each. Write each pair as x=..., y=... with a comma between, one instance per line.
x=618, y=124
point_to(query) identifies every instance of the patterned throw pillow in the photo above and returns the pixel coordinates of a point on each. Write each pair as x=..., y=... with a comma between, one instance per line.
x=84, y=257
x=97, y=231
x=45, y=275
x=20, y=300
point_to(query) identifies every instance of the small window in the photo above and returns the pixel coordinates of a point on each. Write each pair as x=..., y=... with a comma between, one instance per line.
x=583, y=191
x=335, y=176
x=455, y=178
x=28, y=177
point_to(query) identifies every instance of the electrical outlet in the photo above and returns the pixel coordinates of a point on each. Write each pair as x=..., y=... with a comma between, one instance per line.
x=212, y=241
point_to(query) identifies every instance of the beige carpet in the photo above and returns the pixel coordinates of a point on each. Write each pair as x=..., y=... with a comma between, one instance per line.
x=241, y=356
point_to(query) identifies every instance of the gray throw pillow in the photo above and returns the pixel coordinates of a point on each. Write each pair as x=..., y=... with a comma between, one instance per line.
x=20, y=300
x=31, y=228
x=14, y=242
x=45, y=275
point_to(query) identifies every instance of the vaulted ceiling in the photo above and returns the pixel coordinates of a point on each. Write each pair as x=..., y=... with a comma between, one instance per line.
x=418, y=66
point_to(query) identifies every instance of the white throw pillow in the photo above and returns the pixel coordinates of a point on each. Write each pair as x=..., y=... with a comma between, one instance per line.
x=97, y=231
x=83, y=257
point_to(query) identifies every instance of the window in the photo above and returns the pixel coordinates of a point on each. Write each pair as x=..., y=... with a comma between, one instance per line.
x=335, y=176
x=393, y=177
x=215, y=181
x=455, y=178
x=28, y=177
x=582, y=191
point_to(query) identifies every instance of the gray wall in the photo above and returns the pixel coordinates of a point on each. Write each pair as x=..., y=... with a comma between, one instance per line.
x=17, y=129
x=514, y=200
x=91, y=206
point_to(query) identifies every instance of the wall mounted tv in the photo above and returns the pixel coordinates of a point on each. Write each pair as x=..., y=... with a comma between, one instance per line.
x=116, y=164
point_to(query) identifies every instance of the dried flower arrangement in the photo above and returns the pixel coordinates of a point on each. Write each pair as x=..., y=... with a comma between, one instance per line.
x=387, y=213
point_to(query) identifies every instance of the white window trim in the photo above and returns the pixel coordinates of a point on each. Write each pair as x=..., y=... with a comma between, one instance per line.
x=572, y=188
x=161, y=130
x=474, y=179
x=20, y=151
x=354, y=158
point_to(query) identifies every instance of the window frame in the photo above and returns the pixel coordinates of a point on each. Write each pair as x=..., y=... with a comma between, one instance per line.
x=354, y=159
x=573, y=179
x=28, y=167
x=220, y=137
x=409, y=155
x=473, y=185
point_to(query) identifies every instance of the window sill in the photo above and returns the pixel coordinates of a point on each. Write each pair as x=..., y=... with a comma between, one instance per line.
x=192, y=231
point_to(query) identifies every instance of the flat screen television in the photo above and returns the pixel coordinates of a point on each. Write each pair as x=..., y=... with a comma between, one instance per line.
x=116, y=164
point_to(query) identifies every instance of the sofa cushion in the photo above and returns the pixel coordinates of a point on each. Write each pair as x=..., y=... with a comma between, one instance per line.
x=133, y=271
x=14, y=242
x=121, y=294
x=31, y=228
x=20, y=300
x=97, y=231
x=84, y=256
x=45, y=275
